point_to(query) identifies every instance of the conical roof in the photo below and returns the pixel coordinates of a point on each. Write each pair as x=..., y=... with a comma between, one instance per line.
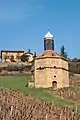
x=48, y=35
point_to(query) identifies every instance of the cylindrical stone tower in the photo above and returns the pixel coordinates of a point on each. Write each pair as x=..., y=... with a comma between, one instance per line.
x=48, y=42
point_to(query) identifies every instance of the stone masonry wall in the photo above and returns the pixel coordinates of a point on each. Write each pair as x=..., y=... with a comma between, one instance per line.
x=44, y=77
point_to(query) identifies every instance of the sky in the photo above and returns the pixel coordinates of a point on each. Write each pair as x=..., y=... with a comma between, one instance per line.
x=24, y=23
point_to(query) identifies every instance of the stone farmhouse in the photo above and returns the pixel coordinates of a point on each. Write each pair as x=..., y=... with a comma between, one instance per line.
x=14, y=56
x=8, y=55
x=51, y=69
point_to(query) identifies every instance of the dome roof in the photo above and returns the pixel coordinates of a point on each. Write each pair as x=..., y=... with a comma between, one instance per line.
x=49, y=53
x=48, y=35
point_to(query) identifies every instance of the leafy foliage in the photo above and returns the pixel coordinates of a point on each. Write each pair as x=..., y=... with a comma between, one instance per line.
x=15, y=68
x=35, y=54
x=29, y=50
x=74, y=66
x=63, y=53
x=24, y=58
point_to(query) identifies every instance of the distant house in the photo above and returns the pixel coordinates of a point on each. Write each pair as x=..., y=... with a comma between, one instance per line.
x=30, y=56
x=11, y=56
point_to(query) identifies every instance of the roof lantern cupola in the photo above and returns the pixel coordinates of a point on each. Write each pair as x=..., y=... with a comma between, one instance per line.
x=48, y=41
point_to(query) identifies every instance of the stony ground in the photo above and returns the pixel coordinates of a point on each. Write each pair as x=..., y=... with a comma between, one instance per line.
x=18, y=106
x=73, y=92
x=67, y=93
x=74, y=80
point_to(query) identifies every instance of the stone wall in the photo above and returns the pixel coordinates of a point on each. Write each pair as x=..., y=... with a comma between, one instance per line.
x=40, y=78
x=52, y=69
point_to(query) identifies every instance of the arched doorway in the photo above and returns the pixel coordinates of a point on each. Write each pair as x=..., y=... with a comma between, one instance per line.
x=54, y=84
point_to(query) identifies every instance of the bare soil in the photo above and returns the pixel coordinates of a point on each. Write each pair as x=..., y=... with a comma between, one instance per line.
x=15, y=105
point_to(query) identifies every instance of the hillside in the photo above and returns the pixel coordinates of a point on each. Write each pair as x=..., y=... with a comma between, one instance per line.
x=18, y=106
x=72, y=92
x=38, y=104
x=74, y=79
x=18, y=83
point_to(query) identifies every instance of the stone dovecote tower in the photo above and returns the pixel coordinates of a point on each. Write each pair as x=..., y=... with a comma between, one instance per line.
x=48, y=41
x=51, y=69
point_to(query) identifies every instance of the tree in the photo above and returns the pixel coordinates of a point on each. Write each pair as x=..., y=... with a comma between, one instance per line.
x=34, y=54
x=29, y=50
x=75, y=60
x=63, y=53
x=24, y=58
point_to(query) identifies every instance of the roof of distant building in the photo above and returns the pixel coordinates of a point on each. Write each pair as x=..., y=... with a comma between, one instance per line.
x=13, y=51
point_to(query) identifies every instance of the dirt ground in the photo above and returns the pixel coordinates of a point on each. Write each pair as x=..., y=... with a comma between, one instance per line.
x=15, y=105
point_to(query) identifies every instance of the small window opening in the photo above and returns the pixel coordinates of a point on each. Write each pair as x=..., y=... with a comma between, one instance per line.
x=54, y=76
x=54, y=84
x=54, y=66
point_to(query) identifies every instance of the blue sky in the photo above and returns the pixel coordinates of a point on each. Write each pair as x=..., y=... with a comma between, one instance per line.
x=23, y=24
